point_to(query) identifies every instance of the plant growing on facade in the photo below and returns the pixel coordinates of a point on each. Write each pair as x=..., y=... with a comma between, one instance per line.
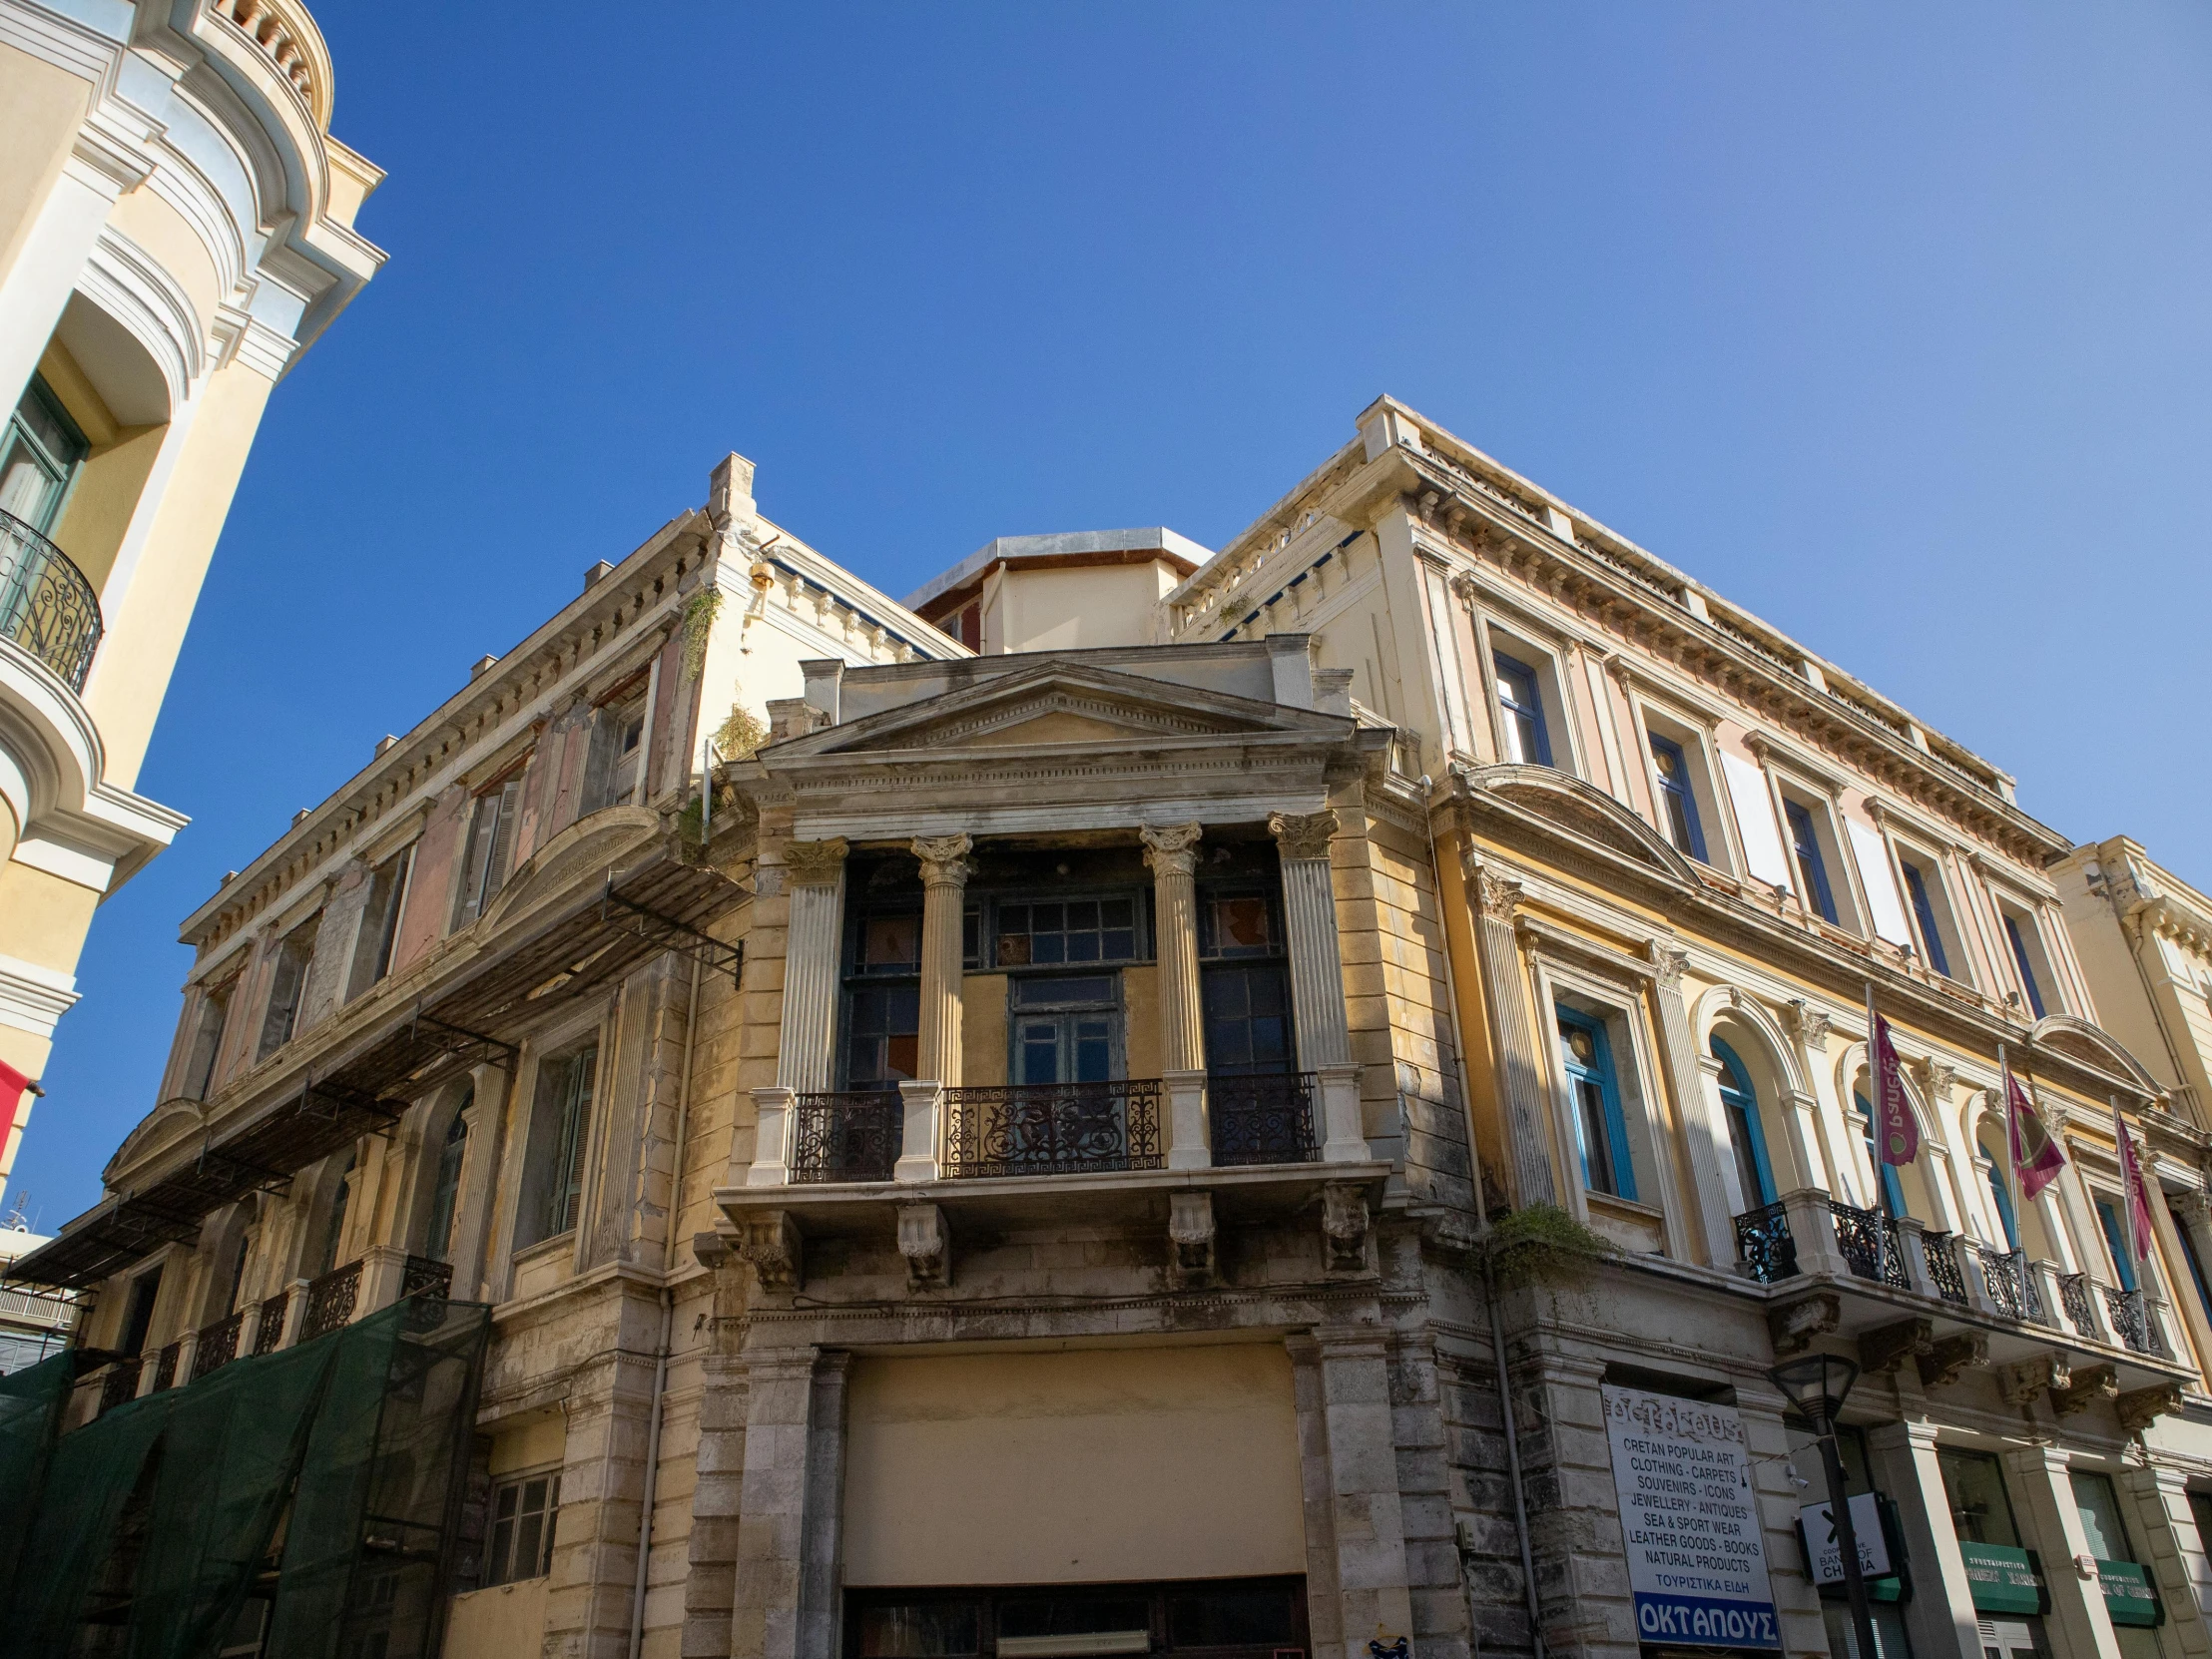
x=699, y=622
x=1541, y=1244
x=739, y=737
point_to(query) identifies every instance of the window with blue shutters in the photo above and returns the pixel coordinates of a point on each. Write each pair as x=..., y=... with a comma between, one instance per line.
x=1520, y=699
x=1599, y=1126
x=1677, y=797
x=1924, y=913
x=1746, y=1134
x=1805, y=844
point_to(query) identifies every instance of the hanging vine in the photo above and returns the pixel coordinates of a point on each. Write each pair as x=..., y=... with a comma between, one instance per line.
x=699, y=623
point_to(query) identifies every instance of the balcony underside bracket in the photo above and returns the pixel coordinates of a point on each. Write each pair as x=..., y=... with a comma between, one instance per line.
x=1888, y=1346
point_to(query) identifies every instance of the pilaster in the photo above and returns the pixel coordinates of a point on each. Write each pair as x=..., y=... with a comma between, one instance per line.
x=2170, y=1543
x=944, y=874
x=1310, y=920
x=1695, y=1088
x=1940, y=1618
x=2079, y=1623
x=816, y=872
x=1172, y=854
x=1520, y=1072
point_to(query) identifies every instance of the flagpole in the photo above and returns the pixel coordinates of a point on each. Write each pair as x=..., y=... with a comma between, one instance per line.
x=1873, y=1110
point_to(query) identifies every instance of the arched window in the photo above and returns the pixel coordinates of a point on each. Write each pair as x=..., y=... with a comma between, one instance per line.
x=437, y=1240
x=1740, y=1101
x=2001, y=1196
x=333, y=1228
x=1885, y=1176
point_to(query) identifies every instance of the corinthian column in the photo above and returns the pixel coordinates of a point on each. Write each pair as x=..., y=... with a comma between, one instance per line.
x=1172, y=854
x=1310, y=921
x=945, y=873
x=816, y=872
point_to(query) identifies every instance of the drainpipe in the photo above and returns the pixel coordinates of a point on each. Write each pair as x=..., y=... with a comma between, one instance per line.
x=668, y=1328
x=1489, y=1282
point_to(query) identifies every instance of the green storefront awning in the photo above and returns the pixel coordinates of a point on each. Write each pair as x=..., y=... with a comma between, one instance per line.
x=2004, y=1580
x=2129, y=1595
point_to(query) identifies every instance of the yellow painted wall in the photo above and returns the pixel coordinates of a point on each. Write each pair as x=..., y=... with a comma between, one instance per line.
x=107, y=490
x=132, y=671
x=504, y=1622
x=1093, y=605
x=529, y=1445
x=1140, y=998
x=45, y=106
x=176, y=246
x=42, y=918
x=1104, y=1463
x=984, y=1028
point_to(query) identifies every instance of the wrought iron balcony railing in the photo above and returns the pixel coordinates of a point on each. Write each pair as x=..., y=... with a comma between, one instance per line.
x=164, y=1366
x=119, y=1383
x=1265, y=1119
x=846, y=1135
x=1940, y=1252
x=46, y=605
x=1870, y=1245
x=1766, y=1245
x=219, y=1345
x=330, y=1301
x=425, y=1277
x=2073, y=1296
x=2130, y=1318
x=272, y=1330
x=1053, y=1128
x=2011, y=1284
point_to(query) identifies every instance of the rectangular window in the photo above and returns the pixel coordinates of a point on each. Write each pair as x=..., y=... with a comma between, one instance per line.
x=288, y=988
x=2099, y=1504
x=2200, y=1506
x=1917, y=881
x=2196, y=1263
x=612, y=762
x=207, y=1040
x=40, y=452
x=524, y=1512
x=1812, y=866
x=1521, y=701
x=2115, y=1240
x=1974, y=1485
x=1067, y=1028
x=387, y=898
x=882, y=1040
x=138, y=1317
x=1678, y=797
x=966, y=625
x=1236, y=926
x=560, y=1132
x=1603, y=1132
x=490, y=841
x=1248, y=1018
x=2021, y=934
x=1053, y=932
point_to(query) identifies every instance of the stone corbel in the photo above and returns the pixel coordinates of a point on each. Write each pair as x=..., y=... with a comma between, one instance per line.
x=2020, y=1383
x=1808, y=1023
x=1793, y=1325
x=1344, y=1226
x=1952, y=1356
x=2086, y=1387
x=926, y=1243
x=713, y=1250
x=1888, y=1346
x=771, y=1242
x=1190, y=1240
x=2138, y=1409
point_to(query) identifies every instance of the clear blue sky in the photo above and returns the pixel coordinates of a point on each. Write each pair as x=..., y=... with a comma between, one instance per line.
x=1889, y=322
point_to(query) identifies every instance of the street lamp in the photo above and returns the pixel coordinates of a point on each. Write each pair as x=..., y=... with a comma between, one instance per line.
x=1816, y=1387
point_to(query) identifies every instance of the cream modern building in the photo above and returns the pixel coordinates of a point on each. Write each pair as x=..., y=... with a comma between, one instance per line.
x=176, y=227
x=986, y=1127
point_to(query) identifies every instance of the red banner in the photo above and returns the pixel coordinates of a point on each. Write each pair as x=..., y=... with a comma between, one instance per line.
x=1897, y=1130
x=2036, y=1159
x=2131, y=1181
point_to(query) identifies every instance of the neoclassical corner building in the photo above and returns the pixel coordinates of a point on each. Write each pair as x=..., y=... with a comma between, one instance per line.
x=979, y=1121
x=176, y=228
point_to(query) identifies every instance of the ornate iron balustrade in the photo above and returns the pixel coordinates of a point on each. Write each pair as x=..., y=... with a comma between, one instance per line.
x=849, y=1135
x=1765, y=1244
x=2130, y=1318
x=2073, y=1296
x=119, y=1384
x=219, y=1345
x=1941, y=1250
x=424, y=1277
x=1053, y=1128
x=2011, y=1284
x=46, y=605
x=1869, y=1245
x=164, y=1366
x=330, y=1301
x=272, y=1330
x=1266, y=1119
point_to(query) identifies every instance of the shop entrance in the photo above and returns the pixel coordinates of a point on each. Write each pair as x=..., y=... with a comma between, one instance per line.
x=1230, y=1619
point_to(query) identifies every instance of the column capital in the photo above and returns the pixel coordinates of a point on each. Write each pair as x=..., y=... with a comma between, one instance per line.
x=815, y=863
x=1171, y=848
x=943, y=859
x=1302, y=834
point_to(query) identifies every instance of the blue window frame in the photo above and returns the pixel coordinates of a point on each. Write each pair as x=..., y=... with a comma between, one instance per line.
x=2001, y=1196
x=2108, y=1218
x=1924, y=913
x=1677, y=799
x=1523, y=705
x=1892, y=1190
x=1740, y=1101
x=1812, y=868
x=1606, y=1164
x=2196, y=1264
x=2026, y=967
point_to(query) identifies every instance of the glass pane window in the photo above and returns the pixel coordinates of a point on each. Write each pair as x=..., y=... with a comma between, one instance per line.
x=1924, y=913
x=1747, y=1134
x=2023, y=959
x=207, y=1041
x=560, y=1129
x=882, y=1042
x=2116, y=1240
x=1048, y=932
x=2098, y=1504
x=1065, y=1048
x=445, y=1191
x=523, y=1512
x=890, y=943
x=490, y=841
x=1805, y=842
x=1891, y=1190
x=1677, y=799
x=1606, y=1166
x=2001, y=1195
x=1518, y=700
x=1248, y=1019
x=40, y=452
x=288, y=988
x=920, y=1630
x=1236, y=926
x=1974, y=1485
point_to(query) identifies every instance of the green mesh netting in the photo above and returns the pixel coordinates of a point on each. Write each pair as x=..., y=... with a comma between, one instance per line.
x=304, y=1499
x=31, y=1403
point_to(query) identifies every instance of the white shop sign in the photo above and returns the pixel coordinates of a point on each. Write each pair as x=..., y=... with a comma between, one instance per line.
x=1697, y=1561
x=1828, y=1550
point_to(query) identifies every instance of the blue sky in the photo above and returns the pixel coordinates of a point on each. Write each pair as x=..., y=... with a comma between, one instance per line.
x=1889, y=321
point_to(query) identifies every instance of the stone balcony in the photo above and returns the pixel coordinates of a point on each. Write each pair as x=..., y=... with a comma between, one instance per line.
x=1950, y=1306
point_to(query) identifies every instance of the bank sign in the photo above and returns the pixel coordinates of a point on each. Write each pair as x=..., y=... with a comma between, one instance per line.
x=1697, y=1562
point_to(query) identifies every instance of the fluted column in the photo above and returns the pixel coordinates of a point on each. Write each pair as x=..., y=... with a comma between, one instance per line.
x=1172, y=854
x=945, y=873
x=1521, y=1071
x=1310, y=921
x=816, y=873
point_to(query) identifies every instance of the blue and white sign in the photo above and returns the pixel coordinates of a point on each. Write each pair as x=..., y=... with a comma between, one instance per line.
x=1697, y=1560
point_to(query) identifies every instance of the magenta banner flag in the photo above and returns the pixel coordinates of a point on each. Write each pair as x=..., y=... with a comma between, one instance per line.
x=1897, y=1130
x=2131, y=1181
x=2036, y=1159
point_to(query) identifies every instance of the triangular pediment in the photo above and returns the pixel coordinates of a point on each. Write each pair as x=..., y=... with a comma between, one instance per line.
x=1048, y=704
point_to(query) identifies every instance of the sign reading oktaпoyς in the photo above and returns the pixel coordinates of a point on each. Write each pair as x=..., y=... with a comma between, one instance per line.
x=1697, y=1562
